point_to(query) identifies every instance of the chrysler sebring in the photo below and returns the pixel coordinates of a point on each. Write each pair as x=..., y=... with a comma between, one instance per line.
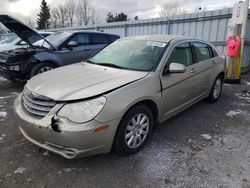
x=113, y=100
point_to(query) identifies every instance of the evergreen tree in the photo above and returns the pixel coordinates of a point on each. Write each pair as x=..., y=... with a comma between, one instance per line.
x=43, y=16
x=117, y=18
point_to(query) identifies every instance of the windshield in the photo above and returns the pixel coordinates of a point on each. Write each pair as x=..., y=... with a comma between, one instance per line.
x=10, y=39
x=55, y=39
x=131, y=54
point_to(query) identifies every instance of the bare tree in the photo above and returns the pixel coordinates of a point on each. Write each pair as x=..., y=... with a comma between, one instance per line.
x=54, y=20
x=29, y=22
x=85, y=12
x=94, y=17
x=59, y=16
x=172, y=8
x=80, y=11
x=71, y=7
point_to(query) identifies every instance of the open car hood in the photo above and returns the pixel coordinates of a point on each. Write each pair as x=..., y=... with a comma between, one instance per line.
x=20, y=29
x=81, y=81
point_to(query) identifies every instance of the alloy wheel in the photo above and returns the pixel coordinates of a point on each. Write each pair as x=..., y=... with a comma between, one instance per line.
x=217, y=88
x=137, y=130
x=44, y=69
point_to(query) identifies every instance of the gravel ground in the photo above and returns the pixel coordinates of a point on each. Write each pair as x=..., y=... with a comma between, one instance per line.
x=205, y=146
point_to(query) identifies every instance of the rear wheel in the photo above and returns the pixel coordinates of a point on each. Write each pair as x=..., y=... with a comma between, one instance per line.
x=216, y=90
x=41, y=68
x=133, y=130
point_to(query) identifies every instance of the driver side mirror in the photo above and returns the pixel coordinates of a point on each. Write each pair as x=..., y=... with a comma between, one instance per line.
x=72, y=44
x=176, y=68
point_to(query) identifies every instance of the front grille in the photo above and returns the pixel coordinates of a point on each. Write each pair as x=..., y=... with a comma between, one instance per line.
x=37, y=105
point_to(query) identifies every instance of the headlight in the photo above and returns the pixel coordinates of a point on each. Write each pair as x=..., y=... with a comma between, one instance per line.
x=81, y=112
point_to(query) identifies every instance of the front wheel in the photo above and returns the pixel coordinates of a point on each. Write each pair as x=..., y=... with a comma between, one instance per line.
x=133, y=130
x=41, y=68
x=216, y=90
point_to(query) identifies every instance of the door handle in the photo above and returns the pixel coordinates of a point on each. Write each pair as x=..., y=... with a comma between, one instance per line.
x=193, y=70
x=214, y=62
x=86, y=50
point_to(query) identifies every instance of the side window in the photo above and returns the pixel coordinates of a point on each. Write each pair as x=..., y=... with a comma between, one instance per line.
x=45, y=35
x=182, y=54
x=98, y=39
x=202, y=51
x=112, y=38
x=81, y=39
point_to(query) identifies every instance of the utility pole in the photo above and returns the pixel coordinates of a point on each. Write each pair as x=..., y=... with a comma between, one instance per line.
x=239, y=24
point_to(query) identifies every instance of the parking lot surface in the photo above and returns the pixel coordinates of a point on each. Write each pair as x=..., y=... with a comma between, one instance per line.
x=205, y=146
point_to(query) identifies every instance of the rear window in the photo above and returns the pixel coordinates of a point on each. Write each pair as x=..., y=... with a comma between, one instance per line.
x=202, y=51
x=98, y=39
x=112, y=38
x=215, y=53
x=45, y=34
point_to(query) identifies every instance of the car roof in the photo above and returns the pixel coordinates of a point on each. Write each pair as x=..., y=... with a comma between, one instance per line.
x=46, y=32
x=158, y=38
x=85, y=31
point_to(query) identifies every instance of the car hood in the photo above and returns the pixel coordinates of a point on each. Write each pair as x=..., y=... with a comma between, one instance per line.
x=81, y=81
x=20, y=29
x=6, y=47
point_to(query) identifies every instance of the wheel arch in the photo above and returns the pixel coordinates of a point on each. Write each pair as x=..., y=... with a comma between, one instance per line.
x=222, y=74
x=150, y=104
x=147, y=102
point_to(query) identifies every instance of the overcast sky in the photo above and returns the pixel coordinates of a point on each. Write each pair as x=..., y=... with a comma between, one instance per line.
x=142, y=8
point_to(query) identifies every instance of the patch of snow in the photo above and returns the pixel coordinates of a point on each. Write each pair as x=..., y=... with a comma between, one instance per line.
x=206, y=136
x=2, y=79
x=7, y=175
x=68, y=169
x=46, y=153
x=3, y=114
x=246, y=82
x=242, y=96
x=30, y=179
x=14, y=93
x=233, y=113
x=4, y=97
x=20, y=170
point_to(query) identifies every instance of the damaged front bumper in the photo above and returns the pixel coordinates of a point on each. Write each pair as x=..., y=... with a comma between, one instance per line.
x=72, y=141
x=12, y=71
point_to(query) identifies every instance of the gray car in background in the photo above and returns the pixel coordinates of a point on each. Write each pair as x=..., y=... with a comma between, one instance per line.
x=43, y=54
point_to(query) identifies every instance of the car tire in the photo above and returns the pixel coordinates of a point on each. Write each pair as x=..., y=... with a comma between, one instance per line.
x=216, y=90
x=131, y=136
x=41, y=68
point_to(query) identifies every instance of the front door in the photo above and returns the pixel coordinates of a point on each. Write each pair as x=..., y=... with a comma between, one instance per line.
x=179, y=89
x=81, y=52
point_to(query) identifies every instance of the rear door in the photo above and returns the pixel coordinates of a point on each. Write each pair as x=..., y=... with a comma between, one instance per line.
x=204, y=65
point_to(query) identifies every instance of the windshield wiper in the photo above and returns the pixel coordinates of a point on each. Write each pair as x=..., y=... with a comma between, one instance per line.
x=111, y=65
x=90, y=61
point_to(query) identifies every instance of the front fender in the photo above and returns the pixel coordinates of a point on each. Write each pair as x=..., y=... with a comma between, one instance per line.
x=48, y=57
x=122, y=99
